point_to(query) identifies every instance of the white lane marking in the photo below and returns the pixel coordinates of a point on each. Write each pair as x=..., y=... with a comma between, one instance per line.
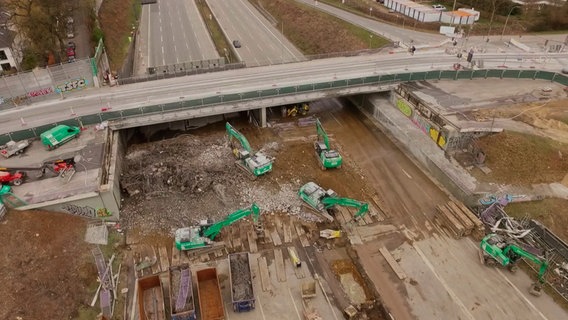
x=450, y=292
x=406, y=173
x=258, y=303
x=294, y=303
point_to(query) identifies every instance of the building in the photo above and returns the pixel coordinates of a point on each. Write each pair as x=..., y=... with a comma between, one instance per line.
x=424, y=13
x=7, y=61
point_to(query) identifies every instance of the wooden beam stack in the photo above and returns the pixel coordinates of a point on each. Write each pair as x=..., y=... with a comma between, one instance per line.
x=459, y=220
x=449, y=221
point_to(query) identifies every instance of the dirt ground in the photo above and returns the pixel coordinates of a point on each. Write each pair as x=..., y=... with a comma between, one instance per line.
x=524, y=159
x=47, y=268
x=117, y=18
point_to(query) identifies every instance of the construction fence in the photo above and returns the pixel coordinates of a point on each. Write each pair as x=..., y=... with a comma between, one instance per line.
x=26, y=88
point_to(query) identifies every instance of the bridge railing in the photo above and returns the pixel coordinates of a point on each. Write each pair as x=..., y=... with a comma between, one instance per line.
x=382, y=79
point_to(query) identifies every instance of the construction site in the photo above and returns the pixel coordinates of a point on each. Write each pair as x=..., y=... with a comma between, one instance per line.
x=227, y=220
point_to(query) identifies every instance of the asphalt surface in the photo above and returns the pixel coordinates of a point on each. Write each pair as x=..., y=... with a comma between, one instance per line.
x=236, y=81
x=261, y=42
x=173, y=32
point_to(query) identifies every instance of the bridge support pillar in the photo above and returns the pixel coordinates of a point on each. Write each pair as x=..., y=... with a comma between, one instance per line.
x=263, y=117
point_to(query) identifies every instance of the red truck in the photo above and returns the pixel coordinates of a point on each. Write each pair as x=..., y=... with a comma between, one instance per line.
x=209, y=292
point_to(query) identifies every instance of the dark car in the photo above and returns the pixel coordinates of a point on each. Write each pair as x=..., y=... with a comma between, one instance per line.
x=236, y=43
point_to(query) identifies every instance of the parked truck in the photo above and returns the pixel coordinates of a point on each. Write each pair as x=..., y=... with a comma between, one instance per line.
x=209, y=292
x=240, y=276
x=59, y=135
x=182, y=304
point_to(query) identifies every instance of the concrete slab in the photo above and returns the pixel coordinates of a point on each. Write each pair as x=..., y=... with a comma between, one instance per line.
x=436, y=267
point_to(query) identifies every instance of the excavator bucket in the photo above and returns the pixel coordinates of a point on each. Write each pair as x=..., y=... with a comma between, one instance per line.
x=536, y=289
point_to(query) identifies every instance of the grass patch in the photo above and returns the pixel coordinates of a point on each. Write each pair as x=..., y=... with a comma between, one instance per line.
x=315, y=32
x=86, y=313
x=118, y=18
x=553, y=213
x=524, y=159
x=215, y=32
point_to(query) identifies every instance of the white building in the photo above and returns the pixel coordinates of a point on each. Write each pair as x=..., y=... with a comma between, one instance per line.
x=457, y=17
x=425, y=13
x=7, y=61
x=414, y=10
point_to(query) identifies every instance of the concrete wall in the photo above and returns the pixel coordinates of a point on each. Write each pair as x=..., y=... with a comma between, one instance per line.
x=382, y=111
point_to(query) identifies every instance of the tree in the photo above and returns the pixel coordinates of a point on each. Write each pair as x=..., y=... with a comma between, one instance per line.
x=41, y=24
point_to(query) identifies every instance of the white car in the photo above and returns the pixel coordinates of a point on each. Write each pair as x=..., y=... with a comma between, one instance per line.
x=439, y=7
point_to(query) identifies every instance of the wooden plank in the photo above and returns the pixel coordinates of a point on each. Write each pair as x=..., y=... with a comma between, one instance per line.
x=279, y=262
x=252, y=242
x=176, y=255
x=381, y=208
x=368, y=219
x=450, y=221
x=287, y=233
x=301, y=235
x=392, y=263
x=462, y=217
x=156, y=267
x=267, y=237
x=472, y=217
x=164, y=260
x=264, y=276
x=275, y=238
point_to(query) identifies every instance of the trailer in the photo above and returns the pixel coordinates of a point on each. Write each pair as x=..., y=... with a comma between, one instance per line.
x=150, y=298
x=209, y=292
x=240, y=276
x=12, y=148
x=182, y=304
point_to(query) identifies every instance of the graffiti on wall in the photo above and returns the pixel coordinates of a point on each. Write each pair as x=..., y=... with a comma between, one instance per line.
x=40, y=92
x=86, y=211
x=404, y=107
x=71, y=85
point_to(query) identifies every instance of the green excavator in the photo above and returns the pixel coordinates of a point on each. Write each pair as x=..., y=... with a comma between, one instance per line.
x=204, y=234
x=256, y=164
x=327, y=157
x=321, y=201
x=496, y=251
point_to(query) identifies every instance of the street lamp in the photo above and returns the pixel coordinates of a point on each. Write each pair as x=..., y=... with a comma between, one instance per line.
x=507, y=20
x=370, y=40
x=371, y=11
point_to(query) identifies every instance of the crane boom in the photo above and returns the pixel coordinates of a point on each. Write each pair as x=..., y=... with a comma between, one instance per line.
x=321, y=133
x=212, y=231
x=234, y=133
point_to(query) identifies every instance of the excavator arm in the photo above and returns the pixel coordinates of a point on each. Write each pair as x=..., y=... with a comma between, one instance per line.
x=542, y=263
x=322, y=134
x=214, y=230
x=346, y=202
x=234, y=133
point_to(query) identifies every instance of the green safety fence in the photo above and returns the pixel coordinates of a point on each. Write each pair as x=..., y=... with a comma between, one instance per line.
x=384, y=79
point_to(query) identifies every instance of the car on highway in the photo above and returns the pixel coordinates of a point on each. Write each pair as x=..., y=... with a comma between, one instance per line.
x=439, y=7
x=236, y=43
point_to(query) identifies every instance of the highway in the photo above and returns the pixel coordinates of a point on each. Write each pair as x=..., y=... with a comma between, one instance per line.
x=262, y=44
x=173, y=32
x=249, y=79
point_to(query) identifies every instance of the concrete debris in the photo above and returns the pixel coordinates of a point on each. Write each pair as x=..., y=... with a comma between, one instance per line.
x=178, y=182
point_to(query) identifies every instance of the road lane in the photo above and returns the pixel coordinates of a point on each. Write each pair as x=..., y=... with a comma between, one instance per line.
x=262, y=43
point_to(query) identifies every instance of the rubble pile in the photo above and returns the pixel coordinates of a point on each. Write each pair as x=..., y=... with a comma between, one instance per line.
x=178, y=182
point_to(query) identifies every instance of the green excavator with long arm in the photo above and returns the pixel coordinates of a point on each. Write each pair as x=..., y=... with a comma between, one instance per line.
x=204, y=235
x=327, y=157
x=496, y=251
x=256, y=164
x=321, y=201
